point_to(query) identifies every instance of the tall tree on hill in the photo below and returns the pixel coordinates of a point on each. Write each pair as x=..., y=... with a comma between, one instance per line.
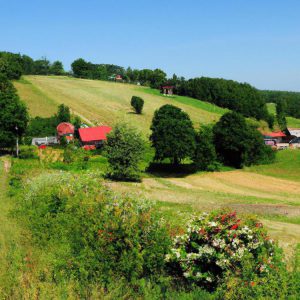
x=281, y=113
x=125, y=148
x=13, y=114
x=42, y=66
x=173, y=135
x=239, y=144
x=10, y=65
x=63, y=114
x=57, y=68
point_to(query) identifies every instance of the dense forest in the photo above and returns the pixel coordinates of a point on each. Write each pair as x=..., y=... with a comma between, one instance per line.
x=239, y=97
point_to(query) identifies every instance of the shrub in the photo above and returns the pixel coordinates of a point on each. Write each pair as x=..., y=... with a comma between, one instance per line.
x=28, y=152
x=137, y=103
x=98, y=236
x=205, y=157
x=125, y=149
x=77, y=156
x=239, y=144
x=173, y=135
x=216, y=245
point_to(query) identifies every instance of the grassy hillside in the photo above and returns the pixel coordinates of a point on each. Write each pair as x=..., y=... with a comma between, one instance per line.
x=272, y=191
x=292, y=122
x=105, y=102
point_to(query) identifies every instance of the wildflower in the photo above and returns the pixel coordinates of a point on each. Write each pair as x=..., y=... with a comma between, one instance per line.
x=252, y=283
x=234, y=227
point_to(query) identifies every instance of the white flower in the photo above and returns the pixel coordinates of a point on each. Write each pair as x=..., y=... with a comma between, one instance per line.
x=187, y=274
x=209, y=279
x=212, y=224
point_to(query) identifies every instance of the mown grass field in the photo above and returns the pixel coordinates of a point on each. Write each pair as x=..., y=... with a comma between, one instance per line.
x=104, y=102
x=271, y=191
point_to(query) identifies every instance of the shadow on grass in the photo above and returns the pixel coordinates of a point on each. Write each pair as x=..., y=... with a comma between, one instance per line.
x=167, y=170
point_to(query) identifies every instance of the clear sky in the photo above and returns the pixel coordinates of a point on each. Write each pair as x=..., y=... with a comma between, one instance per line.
x=255, y=41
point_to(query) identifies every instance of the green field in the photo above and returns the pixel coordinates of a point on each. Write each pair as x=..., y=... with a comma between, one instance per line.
x=102, y=102
x=272, y=191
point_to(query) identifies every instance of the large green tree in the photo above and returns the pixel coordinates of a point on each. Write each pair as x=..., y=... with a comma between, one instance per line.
x=125, y=149
x=13, y=114
x=281, y=114
x=57, y=68
x=205, y=156
x=63, y=113
x=239, y=144
x=173, y=135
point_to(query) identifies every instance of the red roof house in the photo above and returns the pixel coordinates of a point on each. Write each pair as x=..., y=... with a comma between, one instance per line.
x=278, y=134
x=93, y=135
x=65, y=129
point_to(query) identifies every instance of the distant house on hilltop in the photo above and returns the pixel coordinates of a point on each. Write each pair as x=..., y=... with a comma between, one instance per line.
x=167, y=90
x=93, y=137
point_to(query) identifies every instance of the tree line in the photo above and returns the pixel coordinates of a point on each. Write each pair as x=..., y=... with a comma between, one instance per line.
x=290, y=101
x=14, y=65
x=240, y=97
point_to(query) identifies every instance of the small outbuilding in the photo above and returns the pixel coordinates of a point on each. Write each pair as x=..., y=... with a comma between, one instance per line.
x=275, y=136
x=65, y=130
x=93, y=136
x=167, y=90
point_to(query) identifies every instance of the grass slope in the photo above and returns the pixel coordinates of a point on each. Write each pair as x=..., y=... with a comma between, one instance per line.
x=291, y=122
x=105, y=102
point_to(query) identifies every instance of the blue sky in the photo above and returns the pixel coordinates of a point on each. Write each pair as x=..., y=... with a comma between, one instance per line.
x=255, y=41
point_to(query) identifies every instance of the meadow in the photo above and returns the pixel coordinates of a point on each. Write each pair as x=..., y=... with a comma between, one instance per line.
x=269, y=191
x=272, y=191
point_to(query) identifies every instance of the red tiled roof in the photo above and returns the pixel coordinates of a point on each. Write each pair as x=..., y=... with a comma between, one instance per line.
x=167, y=87
x=275, y=134
x=65, y=128
x=94, y=133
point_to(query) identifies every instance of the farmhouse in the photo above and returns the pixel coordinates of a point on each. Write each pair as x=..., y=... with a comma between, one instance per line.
x=93, y=137
x=167, y=90
x=65, y=130
x=294, y=131
x=275, y=136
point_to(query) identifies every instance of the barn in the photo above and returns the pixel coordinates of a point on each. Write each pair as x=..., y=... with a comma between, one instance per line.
x=65, y=130
x=93, y=136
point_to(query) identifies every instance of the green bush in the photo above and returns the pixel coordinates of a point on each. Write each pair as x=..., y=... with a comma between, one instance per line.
x=137, y=103
x=28, y=152
x=205, y=156
x=76, y=156
x=239, y=144
x=98, y=236
x=218, y=246
x=125, y=148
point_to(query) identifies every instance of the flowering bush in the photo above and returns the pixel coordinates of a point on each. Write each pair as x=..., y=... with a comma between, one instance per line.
x=215, y=244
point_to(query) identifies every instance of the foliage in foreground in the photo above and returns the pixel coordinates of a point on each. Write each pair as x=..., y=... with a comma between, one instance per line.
x=220, y=251
x=98, y=235
x=125, y=148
